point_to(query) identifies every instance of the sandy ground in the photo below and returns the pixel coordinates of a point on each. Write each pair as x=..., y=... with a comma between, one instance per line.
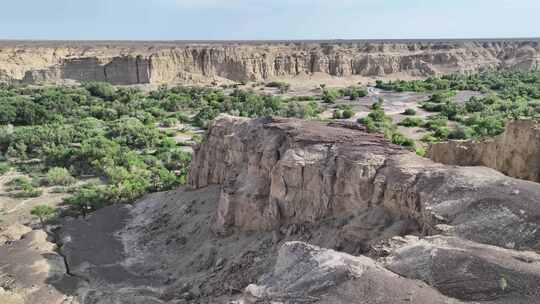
x=17, y=210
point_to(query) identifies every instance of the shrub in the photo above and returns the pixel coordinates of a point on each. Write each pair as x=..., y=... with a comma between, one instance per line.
x=43, y=213
x=88, y=198
x=475, y=104
x=378, y=105
x=101, y=89
x=169, y=122
x=402, y=140
x=302, y=98
x=58, y=177
x=441, y=132
x=24, y=188
x=330, y=96
x=133, y=133
x=461, y=133
x=432, y=107
x=486, y=125
x=354, y=92
x=429, y=138
x=169, y=134
x=182, y=117
x=60, y=189
x=378, y=115
x=4, y=167
x=300, y=110
x=412, y=122
x=369, y=123
x=347, y=113
x=377, y=121
x=126, y=185
x=434, y=122
x=19, y=183
x=452, y=110
x=409, y=112
x=442, y=97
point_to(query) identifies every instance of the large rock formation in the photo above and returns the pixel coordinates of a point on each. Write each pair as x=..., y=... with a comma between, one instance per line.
x=515, y=152
x=281, y=171
x=138, y=63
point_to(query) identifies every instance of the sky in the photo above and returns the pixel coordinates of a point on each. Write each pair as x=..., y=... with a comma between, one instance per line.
x=267, y=19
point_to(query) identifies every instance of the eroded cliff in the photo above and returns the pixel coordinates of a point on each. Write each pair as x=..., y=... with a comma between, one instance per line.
x=516, y=152
x=139, y=63
x=279, y=171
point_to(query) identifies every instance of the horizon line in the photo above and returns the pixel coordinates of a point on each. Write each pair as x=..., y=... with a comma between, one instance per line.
x=225, y=41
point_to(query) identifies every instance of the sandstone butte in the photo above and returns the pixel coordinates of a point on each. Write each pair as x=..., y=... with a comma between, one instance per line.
x=290, y=211
x=126, y=63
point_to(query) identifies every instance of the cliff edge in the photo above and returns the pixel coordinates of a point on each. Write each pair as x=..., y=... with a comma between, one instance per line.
x=515, y=152
x=154, y=63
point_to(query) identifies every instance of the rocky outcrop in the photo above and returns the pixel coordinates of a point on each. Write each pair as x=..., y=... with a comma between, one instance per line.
x=474, y=224
x=431, y=270
x=29, y=267
x=467, y=270
x=308, y=274
x=13, y=233
x=139, y=63
x=278, y=172
x=514, y=153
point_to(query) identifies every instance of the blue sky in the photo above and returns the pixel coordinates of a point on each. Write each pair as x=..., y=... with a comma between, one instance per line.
x=267, y=19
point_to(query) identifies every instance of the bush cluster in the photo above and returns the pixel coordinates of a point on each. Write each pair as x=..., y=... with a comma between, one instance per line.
x=507, y=95
x=99, y=130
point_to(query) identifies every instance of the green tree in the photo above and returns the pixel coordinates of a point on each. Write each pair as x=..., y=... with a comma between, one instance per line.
x=58, y=177
x=43, y=213
x=88, y=198
x=101, y=89
x=330, y=96
x=409, y=112
x=8, y=113
x=347, y=113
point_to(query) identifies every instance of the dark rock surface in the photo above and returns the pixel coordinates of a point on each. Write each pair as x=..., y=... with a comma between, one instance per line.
x=467, y=270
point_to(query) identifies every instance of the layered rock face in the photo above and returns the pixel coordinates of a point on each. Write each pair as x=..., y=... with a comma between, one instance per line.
x=277, y=173
x=514, y=153
x=139, y=63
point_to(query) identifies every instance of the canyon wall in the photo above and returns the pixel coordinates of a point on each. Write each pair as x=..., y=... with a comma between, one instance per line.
x=142, y=63
x=516, y=152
